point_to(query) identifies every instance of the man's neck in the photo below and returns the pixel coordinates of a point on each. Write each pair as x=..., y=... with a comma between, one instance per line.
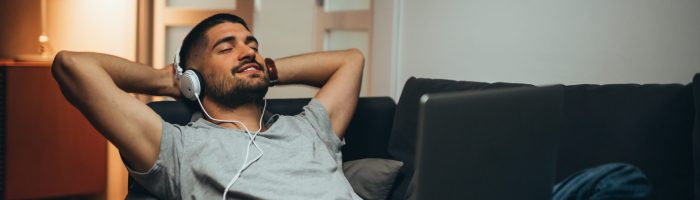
x=248, y=114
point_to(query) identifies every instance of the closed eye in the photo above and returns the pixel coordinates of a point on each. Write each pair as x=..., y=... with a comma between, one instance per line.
x=226, y=50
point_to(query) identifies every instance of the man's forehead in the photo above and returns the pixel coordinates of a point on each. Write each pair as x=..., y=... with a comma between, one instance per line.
x=227, y=29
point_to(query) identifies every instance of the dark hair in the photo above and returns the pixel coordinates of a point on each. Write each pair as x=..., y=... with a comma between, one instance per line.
x=196, y=38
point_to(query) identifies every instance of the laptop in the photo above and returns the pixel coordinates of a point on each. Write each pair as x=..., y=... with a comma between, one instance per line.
x=493, y=144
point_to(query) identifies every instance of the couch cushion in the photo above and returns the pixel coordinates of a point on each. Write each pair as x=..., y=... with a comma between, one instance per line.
x=402, y=143
x=649, y=126
x=372, y=178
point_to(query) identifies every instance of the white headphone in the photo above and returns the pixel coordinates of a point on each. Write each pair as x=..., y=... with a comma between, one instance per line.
x=190, y=80
x=191, y=88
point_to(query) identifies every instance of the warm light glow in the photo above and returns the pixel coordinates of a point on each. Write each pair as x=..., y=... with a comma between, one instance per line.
x=43, y=18
x=107, y=26
x=45, y=53
x=43, y=38
x=44, y=48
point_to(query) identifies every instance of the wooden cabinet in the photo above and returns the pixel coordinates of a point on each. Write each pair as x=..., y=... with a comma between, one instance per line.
x=50, y=149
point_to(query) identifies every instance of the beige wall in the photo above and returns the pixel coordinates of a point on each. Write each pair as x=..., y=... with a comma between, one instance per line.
x=550, y=41
x=384, y=41
x=286, y=28
x=107, y=26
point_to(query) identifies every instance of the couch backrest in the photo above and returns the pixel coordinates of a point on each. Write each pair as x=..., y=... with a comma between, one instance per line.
x=366, y=137
x=649, y=126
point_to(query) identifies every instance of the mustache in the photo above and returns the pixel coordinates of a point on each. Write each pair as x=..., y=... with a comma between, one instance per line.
x=244, y=62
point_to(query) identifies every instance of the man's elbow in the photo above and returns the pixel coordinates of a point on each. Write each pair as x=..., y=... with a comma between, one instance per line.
x=356, y=57
x=64, y=65
x=60, y=63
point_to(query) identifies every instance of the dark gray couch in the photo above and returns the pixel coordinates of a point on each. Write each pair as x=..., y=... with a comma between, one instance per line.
x=652, y=126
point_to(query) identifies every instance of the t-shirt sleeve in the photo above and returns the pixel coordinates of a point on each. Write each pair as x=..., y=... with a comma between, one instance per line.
x=319, y=119
x=161, y=179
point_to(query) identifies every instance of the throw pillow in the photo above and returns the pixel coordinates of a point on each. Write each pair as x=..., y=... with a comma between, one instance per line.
x=372, y=178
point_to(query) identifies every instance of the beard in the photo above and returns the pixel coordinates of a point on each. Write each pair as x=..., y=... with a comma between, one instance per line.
x=232, y=94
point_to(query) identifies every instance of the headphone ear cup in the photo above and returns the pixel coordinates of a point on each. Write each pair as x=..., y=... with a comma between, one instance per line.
x=202, y=84
x=191, y=85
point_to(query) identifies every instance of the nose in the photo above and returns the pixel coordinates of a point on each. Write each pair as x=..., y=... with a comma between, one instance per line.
x=246, y=52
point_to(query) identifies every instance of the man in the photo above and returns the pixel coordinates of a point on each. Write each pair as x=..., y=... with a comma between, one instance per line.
x=293, y=157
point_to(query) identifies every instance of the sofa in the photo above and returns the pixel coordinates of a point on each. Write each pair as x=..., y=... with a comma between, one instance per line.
x=651, y=126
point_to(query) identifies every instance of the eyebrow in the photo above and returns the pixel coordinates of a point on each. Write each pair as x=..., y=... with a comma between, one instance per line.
x=251, y=39
x=223, y=40
x=248, y=40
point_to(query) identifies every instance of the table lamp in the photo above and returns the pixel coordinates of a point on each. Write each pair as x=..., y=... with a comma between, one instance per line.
x=45, y=53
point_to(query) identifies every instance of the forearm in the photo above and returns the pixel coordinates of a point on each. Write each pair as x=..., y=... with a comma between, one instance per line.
x=71, y=67
x=315, y=69
x=97, y=85
x=338, y=73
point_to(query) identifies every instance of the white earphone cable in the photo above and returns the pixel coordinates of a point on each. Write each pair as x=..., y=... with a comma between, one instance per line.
x=245, y=164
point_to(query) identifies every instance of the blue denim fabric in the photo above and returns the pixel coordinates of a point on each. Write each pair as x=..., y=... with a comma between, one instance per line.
x=608, y=181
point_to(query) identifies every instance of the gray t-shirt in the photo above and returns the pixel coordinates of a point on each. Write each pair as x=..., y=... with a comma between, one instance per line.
x=301, y=160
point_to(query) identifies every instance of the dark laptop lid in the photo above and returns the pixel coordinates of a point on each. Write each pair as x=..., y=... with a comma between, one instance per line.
x=495, y=144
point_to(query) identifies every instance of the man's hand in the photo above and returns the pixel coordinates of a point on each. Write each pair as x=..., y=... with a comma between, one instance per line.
x=97, y=84
x=174, y=90
x=337, y=73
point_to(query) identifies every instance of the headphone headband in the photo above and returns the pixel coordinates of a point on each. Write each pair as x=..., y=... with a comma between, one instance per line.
x=176, y=64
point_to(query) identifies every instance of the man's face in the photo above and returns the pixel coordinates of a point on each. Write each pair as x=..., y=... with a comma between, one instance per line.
x=232, y=66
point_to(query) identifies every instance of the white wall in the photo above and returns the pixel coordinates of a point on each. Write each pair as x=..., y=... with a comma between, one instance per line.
x=385, y=24
x=286, y=28
x=550, y=41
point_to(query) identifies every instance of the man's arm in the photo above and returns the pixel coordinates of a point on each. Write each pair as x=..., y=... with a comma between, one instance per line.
x=337, y=73
x=97, y=84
